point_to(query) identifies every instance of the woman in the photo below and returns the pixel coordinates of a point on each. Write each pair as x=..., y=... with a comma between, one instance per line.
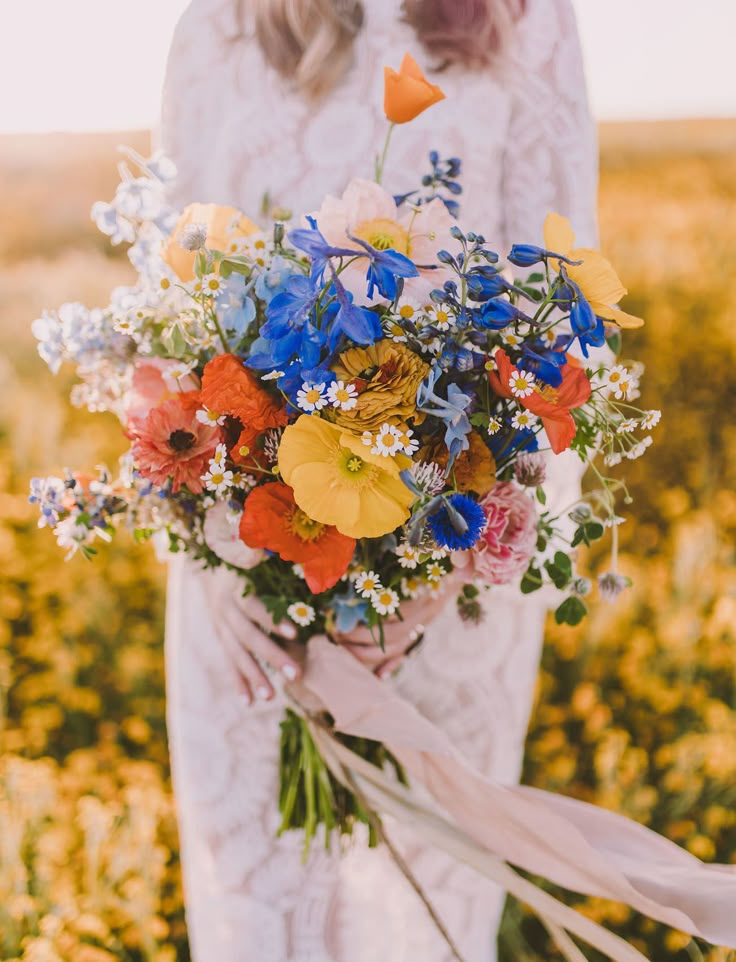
x=278, y=102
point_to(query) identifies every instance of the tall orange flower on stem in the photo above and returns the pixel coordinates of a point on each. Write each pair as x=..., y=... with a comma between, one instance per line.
x=406, y=94
x=552, y=405
x=272, y=520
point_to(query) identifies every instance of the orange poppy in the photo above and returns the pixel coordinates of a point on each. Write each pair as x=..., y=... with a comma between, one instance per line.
x=272, y=520
x=552, y=405
x=407, y=93
x=229, y=388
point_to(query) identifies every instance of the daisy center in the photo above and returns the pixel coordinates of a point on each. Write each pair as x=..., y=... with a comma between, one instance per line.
x=304, y=527
x=383, y=233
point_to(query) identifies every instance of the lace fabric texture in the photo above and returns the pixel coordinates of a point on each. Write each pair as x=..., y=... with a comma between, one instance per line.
x=237, y=132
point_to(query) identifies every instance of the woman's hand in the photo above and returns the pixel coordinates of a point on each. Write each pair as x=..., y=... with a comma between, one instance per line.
x=243, y=625
x=399, y=636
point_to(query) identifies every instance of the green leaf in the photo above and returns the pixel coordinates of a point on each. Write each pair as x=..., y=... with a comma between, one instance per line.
x=541, y=496
x=563, y=562
x=174, y=341
x=614, y=342
x=594, y=530
x=571, y=611
x=532, y=580
x=479, y=419
x=536, y=278
x=558, y=577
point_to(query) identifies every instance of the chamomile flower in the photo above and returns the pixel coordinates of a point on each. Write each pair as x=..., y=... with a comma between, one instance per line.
x=524, y=420
x=651, y=419
x=367, y=438
x=211, y=284
x=394, y=331
x=512, y=339
x=388, y=441
x=407, y=312
x=219, y=457
x=411, y=587
x=367, y=583
x=301, y=613
x=440, y=318
x=627, y=426
x=385, y=601
x=437, y=554
x=218, y=479
x=638, y=449
x=272, y=376
x=620, y=381
x=176, y=373
x=549, y=337
x=494, y=426
x=205, y=416
x=311, y=397
x=342, y=395
x=612, y=459
x=521, y=383
x=407, y=555
x=298, y=571
x=409, y=443
x=435, y=572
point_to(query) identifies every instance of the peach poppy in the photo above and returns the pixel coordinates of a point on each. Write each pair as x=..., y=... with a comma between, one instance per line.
x=408, y=93
x=171, y=443
x=229, y=388
x=224, y=225
x=552, y=405
x=272, y=519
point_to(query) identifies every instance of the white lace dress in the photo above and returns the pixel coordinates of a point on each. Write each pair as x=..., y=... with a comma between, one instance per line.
x=236, y=132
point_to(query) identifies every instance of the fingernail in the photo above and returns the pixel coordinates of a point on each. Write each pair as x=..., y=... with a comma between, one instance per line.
x=247, y=700
x=263, y=693
x=287, y=630
x=290, y=672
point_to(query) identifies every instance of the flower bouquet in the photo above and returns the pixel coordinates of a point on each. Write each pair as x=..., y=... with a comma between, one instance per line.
x=347, y=407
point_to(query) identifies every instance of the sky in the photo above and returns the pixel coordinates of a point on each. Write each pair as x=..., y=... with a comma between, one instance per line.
x=99, y=64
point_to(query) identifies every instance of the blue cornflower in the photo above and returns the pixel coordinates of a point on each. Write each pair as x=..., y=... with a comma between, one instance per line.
x=458, y=523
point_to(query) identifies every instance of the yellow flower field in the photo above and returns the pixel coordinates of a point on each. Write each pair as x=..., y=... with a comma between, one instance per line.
x=635, y=708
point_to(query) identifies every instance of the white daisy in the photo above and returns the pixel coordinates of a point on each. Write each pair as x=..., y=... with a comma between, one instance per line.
x=218, y=479
x=272, y=376
x=211, y=284
x=394, y=330
x=367, y=438
x=494, y=426
x=342, y=395
x=627, y=426
x=651, y=419
x=407, y=555
x=522, y=383
x=524, y=420
x=311, y=397
x=409, y=443
x=387, y=441
x=385, y=601
x=411, y=587
x=219, y=457
x=177, y=372
x=513, y=340
x=440, y=318
x=435, y=571
x=636, y=452
x=621, y=381
x=437, y=554
x=298, y=571
x=205, y=416
x=301, y=613
x=366, y=583
x=612, y=459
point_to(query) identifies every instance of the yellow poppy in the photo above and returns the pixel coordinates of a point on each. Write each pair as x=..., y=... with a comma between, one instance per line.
x=338, y=481
x=596, y=278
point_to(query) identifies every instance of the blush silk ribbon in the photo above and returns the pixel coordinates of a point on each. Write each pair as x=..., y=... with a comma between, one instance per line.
x=578, y=846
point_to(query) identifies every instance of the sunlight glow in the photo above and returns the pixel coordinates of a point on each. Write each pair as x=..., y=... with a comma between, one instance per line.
x=99, y=64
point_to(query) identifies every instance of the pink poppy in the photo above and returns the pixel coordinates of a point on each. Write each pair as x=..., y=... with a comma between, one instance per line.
x=150, y=386
x=369, y=212
x=171, y=443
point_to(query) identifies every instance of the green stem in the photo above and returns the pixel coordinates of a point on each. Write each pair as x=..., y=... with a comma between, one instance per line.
x=380, y=163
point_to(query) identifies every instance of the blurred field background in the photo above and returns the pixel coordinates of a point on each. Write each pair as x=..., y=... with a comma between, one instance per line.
x=635, y=708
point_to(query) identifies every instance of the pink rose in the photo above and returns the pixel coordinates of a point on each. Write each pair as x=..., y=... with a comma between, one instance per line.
x=503, y=551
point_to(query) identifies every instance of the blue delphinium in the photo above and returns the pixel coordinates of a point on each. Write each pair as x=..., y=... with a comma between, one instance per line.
x=458, y=523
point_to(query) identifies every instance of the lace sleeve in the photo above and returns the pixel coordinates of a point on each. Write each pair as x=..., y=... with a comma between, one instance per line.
x=191, y=105
x=551, y=156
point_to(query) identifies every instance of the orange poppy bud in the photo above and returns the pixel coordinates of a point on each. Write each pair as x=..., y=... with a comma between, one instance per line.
x=408, y=92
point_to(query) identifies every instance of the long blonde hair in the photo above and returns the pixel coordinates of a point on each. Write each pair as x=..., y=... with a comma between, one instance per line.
x=310, y=42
